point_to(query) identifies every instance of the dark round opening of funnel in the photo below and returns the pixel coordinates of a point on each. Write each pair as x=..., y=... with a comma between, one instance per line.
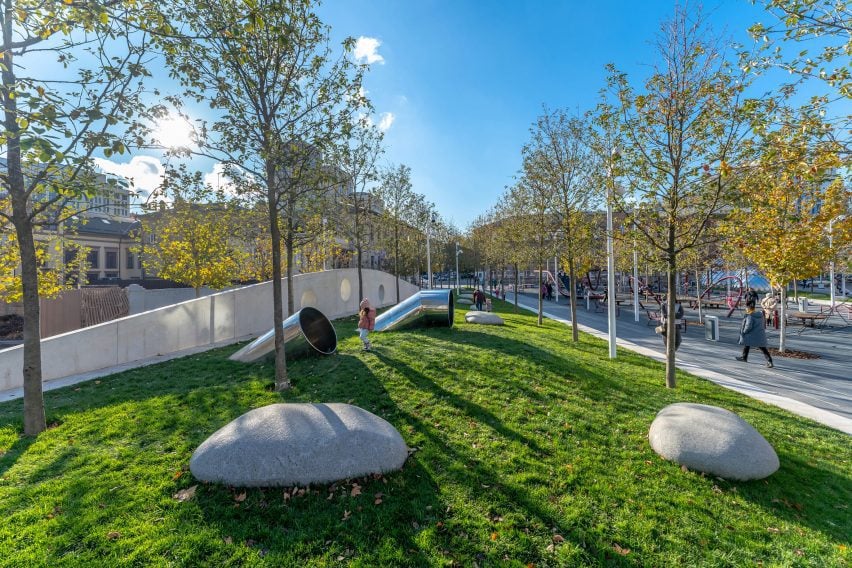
x=318, y=331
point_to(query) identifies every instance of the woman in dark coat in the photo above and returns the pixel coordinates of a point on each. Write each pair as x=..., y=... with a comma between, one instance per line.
x=753, y=335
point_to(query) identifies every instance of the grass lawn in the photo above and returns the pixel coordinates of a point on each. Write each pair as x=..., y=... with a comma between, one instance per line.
x=529, y=451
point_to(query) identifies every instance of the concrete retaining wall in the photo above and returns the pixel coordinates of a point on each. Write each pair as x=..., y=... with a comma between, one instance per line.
x=226, y=317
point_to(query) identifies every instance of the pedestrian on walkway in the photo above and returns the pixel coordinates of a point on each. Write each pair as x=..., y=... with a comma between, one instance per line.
x=752, y=334
x=769, y=303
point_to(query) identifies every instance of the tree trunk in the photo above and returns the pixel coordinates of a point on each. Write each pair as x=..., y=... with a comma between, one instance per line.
x=782, y=324
x=281, y=380
x=516, y=287
x=572, y=297
x=34, y=419
x=540, y=295
x=671, y=325
x=396, y=257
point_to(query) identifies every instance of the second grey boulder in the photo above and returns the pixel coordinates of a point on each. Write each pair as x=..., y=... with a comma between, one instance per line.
x=712, y=440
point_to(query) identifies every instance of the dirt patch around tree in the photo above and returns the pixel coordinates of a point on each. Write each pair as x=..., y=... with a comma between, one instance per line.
x=11, y=327
x=793, y=354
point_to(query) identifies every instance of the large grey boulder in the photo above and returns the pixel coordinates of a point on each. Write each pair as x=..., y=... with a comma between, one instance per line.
x=298, y=444
x=712, y=440
x=486, y=318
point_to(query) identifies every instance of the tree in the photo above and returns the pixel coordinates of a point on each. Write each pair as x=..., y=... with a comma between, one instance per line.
x=565, y=164
x=267, y=67
x=356, y=157
x=532, y=198
x=824, y=24
x=397, y=197
x=678, y=140
x=192, y=239
x=788, y=196
x=52, y=126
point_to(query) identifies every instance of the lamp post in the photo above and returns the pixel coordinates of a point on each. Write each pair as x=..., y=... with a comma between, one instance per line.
x=610, y=256
x=324, y=244
x=429, y=250
x=635, y=271
x=458, y=252
x=831, y=253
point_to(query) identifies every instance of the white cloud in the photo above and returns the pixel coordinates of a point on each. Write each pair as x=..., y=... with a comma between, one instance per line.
x=217, y=180
x=146, y=172
x=365, y=50
x=385, y=120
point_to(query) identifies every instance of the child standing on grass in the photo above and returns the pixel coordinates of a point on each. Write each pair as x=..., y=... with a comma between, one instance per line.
x=366, y=322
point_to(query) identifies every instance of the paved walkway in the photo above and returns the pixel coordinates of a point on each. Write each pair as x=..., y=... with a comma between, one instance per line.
x=820, y=389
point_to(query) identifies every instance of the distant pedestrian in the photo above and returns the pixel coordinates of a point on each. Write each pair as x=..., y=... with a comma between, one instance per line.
x=478, y=298
x=549, y=288
x=753, y=335
x=769, y=303
x=662, y=329
x=366, y=322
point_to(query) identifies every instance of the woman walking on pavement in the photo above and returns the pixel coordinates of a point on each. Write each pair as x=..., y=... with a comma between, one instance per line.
x=752, y=333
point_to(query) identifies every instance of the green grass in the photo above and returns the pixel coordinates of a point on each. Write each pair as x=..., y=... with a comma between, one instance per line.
x=530, y=450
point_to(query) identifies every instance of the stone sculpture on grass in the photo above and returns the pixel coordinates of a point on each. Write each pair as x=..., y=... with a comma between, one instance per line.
x=485, y=318
x=283, y=445
x=712, y=440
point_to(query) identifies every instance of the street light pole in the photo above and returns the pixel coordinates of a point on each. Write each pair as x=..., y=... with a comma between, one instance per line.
x=610, y=256
x=831, y=254
x=458, y=252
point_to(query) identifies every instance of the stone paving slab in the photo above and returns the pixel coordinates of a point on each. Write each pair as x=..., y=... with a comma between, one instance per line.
x=820, y=389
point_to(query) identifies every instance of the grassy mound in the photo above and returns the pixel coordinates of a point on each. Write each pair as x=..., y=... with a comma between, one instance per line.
x=527, y=450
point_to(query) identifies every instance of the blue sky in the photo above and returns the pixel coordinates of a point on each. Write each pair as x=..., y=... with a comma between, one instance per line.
x=464, y=80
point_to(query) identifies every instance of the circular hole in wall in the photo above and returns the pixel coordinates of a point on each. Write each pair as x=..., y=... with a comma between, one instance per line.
x=345, y=289
x=309, y=298
x=381, y=292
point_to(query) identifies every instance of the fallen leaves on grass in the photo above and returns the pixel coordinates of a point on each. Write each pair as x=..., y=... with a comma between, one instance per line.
x=239, y=498
x=378, y=500
x=346, y=515
x=356, y=490
x=620, y=550
x=185, y=494
x=113, y=535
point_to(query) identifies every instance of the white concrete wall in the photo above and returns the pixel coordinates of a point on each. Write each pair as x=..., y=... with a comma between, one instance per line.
x=226, y=317
x=142, y=300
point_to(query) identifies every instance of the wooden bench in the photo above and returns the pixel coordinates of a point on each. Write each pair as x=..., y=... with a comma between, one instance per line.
x=808, y=319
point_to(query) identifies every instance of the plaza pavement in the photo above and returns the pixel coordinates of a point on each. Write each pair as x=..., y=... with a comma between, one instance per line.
x=820, y=389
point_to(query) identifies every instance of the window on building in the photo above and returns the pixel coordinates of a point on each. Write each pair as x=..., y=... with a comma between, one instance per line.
x=130, y=264
x=92, y=258
x=111, y=260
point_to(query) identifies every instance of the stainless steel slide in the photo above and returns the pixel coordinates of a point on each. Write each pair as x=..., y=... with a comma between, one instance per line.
x=429, y=307
x=306, y=331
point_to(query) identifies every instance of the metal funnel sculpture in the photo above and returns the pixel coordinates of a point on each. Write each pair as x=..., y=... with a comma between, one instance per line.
x=429, y=307
x=305, y=332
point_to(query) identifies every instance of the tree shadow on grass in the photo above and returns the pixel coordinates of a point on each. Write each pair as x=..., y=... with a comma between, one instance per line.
x=636, y=402
x=478, y=412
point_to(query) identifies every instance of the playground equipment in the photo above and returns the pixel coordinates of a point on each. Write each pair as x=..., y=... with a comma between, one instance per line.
x=432, y=307
x=587, y=281
x=729, y=301
x=645, y=289
x=305, y=332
